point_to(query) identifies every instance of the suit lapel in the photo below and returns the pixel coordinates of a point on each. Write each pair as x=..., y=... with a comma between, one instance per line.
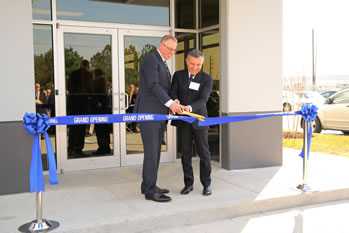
x=162, y=63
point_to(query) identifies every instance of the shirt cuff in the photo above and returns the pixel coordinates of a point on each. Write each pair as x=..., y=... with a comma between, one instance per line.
x=168, y=103
x=190, y=109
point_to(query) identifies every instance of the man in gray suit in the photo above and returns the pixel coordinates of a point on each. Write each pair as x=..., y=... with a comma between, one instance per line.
x=153, y=97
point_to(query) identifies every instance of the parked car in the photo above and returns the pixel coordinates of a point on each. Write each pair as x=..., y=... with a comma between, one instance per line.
x=293, y=101
x=333, y=114
x=311, y=97
x=327, y=94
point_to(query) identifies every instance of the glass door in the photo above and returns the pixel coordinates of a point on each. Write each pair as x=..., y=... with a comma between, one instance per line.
x=134, y=45
x=88, y=85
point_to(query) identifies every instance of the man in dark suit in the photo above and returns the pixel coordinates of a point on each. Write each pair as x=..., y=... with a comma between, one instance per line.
x=192, y=87
x=153, y=97
x=80, y=90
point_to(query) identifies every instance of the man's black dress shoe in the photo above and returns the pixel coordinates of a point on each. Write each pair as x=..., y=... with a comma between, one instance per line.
x=187, y=189
x=207, y=191
x=163, y=191
x=159, y=197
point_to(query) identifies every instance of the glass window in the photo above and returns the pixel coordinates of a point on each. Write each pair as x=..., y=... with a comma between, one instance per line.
x=44, y=81
x=148, y=12
x=186, y=42
x=135, y=49
x=342, y=98
x=41, y=9
x=210, y=47
x=185, y=14
x=88, y=92
x=209, y=13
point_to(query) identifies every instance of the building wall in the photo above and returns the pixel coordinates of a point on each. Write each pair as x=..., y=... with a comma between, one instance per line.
x=16, y=94
x=251, y=81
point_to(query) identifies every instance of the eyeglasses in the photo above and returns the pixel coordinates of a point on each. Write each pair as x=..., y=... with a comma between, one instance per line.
x=172, y=50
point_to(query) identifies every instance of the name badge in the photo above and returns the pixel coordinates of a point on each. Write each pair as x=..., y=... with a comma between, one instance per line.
x=194, y=86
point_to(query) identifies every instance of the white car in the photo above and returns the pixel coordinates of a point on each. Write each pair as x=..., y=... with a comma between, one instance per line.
x=333, y=114
x=293, y=101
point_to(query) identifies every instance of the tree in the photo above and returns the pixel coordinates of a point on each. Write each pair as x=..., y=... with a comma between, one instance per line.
x=102, y=60
x=43, y=68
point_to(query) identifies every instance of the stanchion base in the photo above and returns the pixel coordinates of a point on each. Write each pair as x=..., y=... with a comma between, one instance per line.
x=35, y=226
x=306, y=188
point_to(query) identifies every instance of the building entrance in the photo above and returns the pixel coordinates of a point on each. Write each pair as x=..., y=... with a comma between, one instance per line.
x=98, y=74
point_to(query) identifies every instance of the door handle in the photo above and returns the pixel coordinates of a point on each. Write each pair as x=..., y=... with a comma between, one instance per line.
x=127, y=104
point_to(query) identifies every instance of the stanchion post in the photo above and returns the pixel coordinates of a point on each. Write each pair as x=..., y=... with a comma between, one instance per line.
x=40, y=224
x=305, y=187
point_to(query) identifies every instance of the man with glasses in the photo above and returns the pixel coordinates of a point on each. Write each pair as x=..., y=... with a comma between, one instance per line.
x=153, y=97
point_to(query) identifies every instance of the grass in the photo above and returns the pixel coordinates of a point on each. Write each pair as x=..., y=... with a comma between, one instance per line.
x=325, y=143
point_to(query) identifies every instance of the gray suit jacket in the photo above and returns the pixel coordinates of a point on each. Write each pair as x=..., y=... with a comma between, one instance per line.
x=154, y=85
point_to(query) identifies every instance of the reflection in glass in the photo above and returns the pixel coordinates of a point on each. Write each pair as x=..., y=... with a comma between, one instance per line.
x=186, y=42
x=135, y=48
x=185, y=14
x=44, y=80
x=210, y=48
x=41, y=9
x=88, y=92
x=209, y=13
x=116, y=11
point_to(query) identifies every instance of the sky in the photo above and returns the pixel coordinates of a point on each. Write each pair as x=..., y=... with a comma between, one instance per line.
x=330, y=21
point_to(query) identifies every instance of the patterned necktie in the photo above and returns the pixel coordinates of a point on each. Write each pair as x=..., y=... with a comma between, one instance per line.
x=168, y=71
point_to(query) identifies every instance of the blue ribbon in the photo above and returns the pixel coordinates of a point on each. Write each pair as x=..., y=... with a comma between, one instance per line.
x=308, y=113
x=115, y=118
x=35, y=125
x=227, y=119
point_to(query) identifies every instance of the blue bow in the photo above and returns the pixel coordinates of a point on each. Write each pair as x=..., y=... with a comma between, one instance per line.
x=308, y=112
x=35, y=125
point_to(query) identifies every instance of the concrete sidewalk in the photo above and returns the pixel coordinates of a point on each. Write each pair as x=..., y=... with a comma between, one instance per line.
x=109, y=200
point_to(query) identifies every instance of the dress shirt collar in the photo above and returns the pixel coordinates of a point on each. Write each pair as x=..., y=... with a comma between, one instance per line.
x=189, y=74
x=161, y=55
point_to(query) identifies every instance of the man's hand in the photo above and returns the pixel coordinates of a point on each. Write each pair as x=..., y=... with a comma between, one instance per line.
x=175, y=107
x=185, y=108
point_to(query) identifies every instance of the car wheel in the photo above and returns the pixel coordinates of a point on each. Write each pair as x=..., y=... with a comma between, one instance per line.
x=287, y=107
x=316, y=125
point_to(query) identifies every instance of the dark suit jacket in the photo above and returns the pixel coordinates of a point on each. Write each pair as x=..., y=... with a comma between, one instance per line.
x=80, y=91
x=197, y=99
x=154, y=85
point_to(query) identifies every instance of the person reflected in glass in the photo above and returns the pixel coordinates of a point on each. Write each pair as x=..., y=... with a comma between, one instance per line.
x=80, y=90
x=51, y=107
x=100, y=106
x=132, y=126
x=192, y=88
x=40, y=98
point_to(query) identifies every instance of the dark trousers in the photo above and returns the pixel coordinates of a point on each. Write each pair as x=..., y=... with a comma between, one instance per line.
x=186, y=134
x=76, y=139
x=77, y=105
x=103, y=137
x=152, y=135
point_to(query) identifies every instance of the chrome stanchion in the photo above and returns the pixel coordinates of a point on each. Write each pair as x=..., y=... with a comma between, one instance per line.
x=39, y=225
x=305, y=187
